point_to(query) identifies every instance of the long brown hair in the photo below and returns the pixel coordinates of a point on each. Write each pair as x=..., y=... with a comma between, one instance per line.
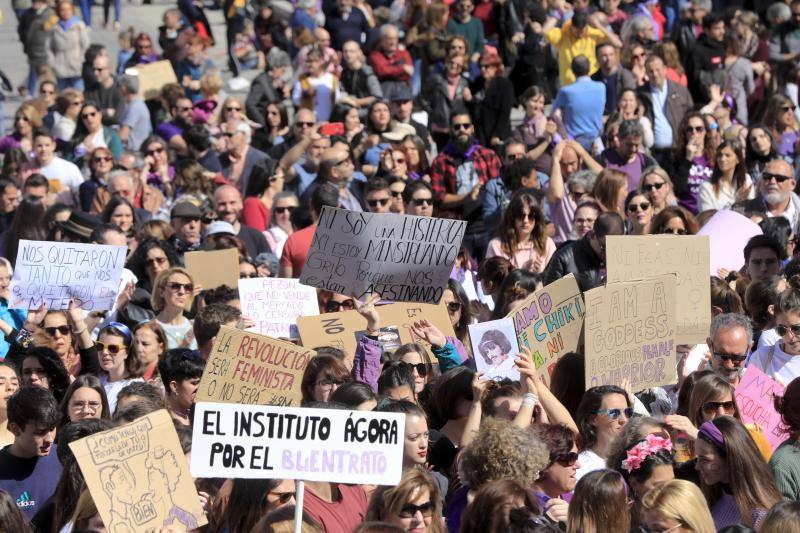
x=493, y=503
x=387, y=501
x=708, y=389
x=599, y=503
x=680, y=139
x=750, y=479
x=508, y=233
x=606, y=189
x=739, y=173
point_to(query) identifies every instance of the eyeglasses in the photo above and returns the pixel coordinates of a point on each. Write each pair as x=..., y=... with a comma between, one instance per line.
x=282, y=210
x=23, y=118
x=400, y=161
x=381, y=201
x=328, y=382
x=231, y=109
x=454, y=306
x=787, y=108
x=396, y=194
x=409, y=510
x=783, y=330
x=305, y=124
x=91, y=406
x=175, y=286
x=282, y=497
x=111, y=348
x=657, y=186
x=712, y=407
x=527, y=216
x=422, y=201
x=101, y=159
x=333, y=306
x=155, y=151
x=639, y=55
x=90, y=114
x=566, y=459
x=736, y=358
x=695, y=129
x=487, y=66
x=779, y=178
x=461, y=126
x=614, y=414
x=674, y=231
x=152, y=261
x=422, y=368
x=64, y=330
x=642, y=206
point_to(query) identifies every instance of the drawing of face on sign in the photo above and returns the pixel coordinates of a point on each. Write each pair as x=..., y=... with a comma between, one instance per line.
x=118, y=484
x=164, y=474
x=494, y=347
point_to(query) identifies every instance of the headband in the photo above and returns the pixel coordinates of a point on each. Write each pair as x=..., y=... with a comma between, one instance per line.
x=712, y=434
x=122, y=328
x=638, y=453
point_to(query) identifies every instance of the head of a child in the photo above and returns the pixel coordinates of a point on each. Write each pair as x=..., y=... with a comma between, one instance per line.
x=32, y=418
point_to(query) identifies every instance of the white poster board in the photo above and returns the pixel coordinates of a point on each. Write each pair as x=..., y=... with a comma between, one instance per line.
x=260, y=441
x=55, y=272
x=275, y=303
x=494, y=348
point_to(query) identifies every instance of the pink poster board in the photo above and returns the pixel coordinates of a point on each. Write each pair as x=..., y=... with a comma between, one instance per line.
x=728, y=233
x=754, y=396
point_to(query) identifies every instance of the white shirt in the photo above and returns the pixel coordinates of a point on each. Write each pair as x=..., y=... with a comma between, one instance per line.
x=589, y=462
x=768, y=338
x=64, y=178
x=726, y=197
x=783, y=368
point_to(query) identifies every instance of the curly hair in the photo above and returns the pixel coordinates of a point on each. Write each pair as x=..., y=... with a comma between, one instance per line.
x=503, y=450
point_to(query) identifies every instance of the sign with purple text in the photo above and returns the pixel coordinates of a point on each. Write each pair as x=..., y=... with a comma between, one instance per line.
x=275, y=303
x=630, y=333
x=549, y=323
x=259, y=442
x=755, y=397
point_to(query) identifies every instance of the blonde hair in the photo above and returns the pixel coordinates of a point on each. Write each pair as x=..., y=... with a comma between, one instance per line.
x=682, y=502
x=156, y=300
x=211, y=83
x=388, y=501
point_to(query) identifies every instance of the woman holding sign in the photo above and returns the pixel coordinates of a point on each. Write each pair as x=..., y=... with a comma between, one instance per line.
x=521, y=235
x=172, y=296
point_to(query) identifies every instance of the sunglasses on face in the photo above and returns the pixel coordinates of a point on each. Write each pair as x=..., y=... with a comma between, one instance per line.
x=527, y=216
x=712, y=407
x=90, y=114
x=23, y=118
x=175, y=286
x=328, y=382
x=381, y=201
x=614, y=414
x=462, y=126
x=657, y=186
x=421, y=368
x=110, y=348
x=673, y=231
x=642, y=206
x=454, y=307
x=422, y=201
x=282, y=210
x=787, y=108
x=736, y=359
x=64, y=330
x=232, y=109
x=281, y=497
x=409, y=510
x=305, y=124
x=155, y=261
x=577, y=195
x=779, y=178
x=566, y=459
x=184, y=109
x=101, y=159
x=333, y=307
x=396, y=194
x=695, y=129
x=783, y=330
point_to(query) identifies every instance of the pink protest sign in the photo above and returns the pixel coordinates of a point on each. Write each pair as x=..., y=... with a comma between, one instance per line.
x=728, y=232
x=754, y=396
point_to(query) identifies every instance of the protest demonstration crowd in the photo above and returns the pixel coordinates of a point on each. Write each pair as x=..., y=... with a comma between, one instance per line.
x=402, y=265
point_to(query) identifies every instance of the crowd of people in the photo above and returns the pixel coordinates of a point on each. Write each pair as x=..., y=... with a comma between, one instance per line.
x=640, y=118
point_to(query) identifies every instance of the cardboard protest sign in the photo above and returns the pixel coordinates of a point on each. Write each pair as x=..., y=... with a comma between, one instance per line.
x=249, y=368
x=152, y=78
x=549, y=323
x=495, y=348
x=275, y=303
x=138, y=476
x=632, y=257
x=728, y=233
x=338, y=329
x=401, y=257
x=755, y=397
x=630, y=333
x=214, y=268
x=249, y=441
x=55, y=272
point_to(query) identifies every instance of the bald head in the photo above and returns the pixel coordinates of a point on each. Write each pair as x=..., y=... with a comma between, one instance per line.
x=228, y=203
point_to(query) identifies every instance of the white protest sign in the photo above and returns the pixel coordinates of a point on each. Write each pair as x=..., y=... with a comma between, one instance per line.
x=401, y=257
x=275, y=303
x=260, y=441
x=55, y=272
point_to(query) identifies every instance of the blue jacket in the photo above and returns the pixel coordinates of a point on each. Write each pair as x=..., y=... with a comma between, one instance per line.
x=13, y=317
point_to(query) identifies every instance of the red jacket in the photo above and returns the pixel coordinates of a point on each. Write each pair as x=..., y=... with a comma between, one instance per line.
x=390, y=68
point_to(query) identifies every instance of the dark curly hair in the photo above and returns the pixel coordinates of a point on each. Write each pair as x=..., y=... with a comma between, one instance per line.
x=57, y=374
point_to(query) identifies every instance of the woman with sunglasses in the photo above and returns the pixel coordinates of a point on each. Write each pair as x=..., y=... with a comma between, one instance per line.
x=416, y=356
x=692, y=159
x=280, y=220
x=639, y=212
x=522, y=235
x=782, y=360
x=26, y=119
x=414, y=504
x=676, y=506
x=735, y=479
x=780, y=119
x=323, y=375
x=602, y=414
x=173, y=293
x=158, y=169
x=85, y=398
x=90, y=134
x=560, y=475
x=674, y=220
x=760, y=149
x=151, y=257
x=118, y=361
x=657, y=186
x=729, y=182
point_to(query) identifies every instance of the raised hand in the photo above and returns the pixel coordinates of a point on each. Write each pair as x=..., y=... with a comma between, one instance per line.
x=368, y=311
x=429, y=333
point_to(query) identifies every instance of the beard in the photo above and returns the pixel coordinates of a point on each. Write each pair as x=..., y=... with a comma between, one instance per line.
x=731, y=375
x=775, y=197
x=462, y=142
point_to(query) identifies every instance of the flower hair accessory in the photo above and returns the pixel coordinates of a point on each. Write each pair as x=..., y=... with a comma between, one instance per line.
x=641, y=451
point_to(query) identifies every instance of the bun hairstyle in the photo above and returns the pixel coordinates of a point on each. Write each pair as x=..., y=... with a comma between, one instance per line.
x=789, y=300
x=788, y=406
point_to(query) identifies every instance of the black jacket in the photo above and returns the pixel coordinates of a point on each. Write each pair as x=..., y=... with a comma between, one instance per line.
x=704, y=65
x=579, y=258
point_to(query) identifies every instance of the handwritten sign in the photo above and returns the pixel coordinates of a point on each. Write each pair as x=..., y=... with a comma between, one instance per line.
x=248, y=441
x=754, y=396
x=630, y=333
x=214, y=268
x=728, y=233
x=401, y=257
x=138, y=476
x=549, y=323
x=55, y=272
x=339, y=329
x=495, y=348
x=632, y=257
x=153, y=77
x=275, y=303
x=249, y=368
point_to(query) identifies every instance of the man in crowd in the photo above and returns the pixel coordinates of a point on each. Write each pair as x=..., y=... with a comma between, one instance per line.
x=295, y=251
x=611, y=74
x=240, y=159
x=172, y=131
x=346, y=23
x=228, y=206
x=392, y=66
x=776, y=195
x=357, y=78
x=706, y=62
x=10, y=196
x=185, y=221
x=134, y=121
x=729, y=345
x=208, y=321
x=378, y=196
x=337, y=167
x=784, y=43
x=579, y=36
x=63, y=176
x=581, y=105
x=106, y=93
x=628, y=156
x=569, y=185
x=762, y=257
